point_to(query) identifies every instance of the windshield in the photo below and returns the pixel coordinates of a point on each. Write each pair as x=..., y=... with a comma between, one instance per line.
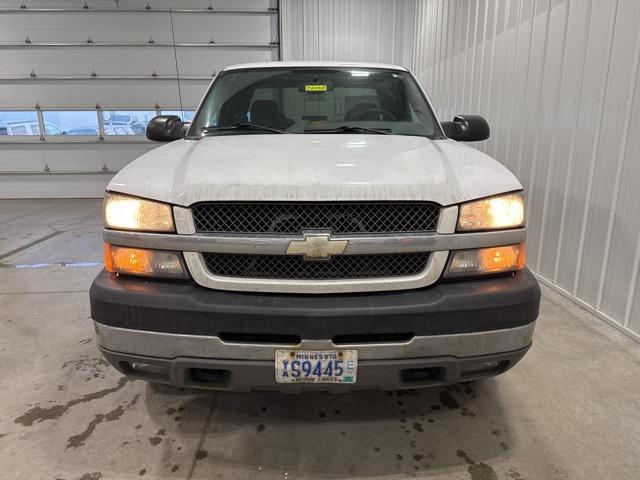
x=314, y=100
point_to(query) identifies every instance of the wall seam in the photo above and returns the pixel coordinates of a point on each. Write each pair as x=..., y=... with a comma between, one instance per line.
x=507, y=148
x=491, y=66
x=619, y=167
x=536, y=141
x=595, y=147
x=495, y=142
x=574, y=132
x=552, y=141
x=526, y=92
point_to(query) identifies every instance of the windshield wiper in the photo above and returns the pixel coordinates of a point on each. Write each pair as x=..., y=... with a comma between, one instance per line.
x=348, y=128
x=241, y=126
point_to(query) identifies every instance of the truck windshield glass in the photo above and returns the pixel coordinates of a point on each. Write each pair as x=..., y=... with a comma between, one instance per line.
x=314, y=100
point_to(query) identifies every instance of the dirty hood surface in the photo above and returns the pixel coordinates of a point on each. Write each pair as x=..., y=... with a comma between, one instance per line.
x=314, y=167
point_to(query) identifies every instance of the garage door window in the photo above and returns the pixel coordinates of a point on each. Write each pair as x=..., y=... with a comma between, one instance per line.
x=72, y=123
x=15, y=123
x=126, y=122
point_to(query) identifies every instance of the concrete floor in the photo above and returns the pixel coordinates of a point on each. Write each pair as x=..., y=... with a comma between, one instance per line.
x=570, y=409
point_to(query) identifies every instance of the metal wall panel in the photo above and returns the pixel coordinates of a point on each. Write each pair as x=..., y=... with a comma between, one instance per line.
x=372, y=30
x=50, y=56
x=558, y=82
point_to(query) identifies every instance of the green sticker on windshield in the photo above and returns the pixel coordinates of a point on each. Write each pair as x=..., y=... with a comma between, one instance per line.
x=315, y=88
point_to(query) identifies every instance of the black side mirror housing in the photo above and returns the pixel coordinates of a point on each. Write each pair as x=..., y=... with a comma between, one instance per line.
x=165, y=128
x=467, y=128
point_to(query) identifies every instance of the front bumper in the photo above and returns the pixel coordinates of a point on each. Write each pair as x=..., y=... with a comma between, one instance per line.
x=247, y=375
x=187, y=335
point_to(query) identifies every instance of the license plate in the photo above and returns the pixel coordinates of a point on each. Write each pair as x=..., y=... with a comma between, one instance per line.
x=316, y=366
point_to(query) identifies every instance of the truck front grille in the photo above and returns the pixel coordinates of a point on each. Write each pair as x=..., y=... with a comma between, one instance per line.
x=294, y=218
x=297, y=268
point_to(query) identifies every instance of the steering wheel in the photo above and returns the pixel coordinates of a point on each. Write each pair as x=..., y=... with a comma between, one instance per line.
x=382, y=114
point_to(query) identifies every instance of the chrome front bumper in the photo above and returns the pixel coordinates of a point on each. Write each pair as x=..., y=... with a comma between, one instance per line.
x=169, y=345
x=210, y=363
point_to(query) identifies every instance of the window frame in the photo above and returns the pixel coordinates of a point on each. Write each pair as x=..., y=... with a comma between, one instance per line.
x=122, y=138
x=47, y=138
x=35, y=138
x=41, y=137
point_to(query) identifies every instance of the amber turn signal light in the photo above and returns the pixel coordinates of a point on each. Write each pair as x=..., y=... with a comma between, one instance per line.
x=486, y=261
x=141, y=262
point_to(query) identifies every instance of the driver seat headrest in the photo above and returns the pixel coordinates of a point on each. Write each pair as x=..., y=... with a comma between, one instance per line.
x=265, y=112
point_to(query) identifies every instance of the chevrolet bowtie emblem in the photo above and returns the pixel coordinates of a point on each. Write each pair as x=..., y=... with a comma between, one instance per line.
x=317, y=246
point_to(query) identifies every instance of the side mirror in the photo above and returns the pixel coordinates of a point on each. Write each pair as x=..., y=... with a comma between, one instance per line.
x=467, y=128
x=165, y=128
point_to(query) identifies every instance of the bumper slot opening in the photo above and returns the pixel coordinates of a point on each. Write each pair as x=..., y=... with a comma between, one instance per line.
x=423, y=375
x=260, y=338
x=483, y=369
x=145, y=371
x=213, y=377
x=372, y=338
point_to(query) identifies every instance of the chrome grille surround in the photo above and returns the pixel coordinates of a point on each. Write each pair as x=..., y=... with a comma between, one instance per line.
x=195, y=245
x=201, y=274
x=334, y=220
x=297, y=268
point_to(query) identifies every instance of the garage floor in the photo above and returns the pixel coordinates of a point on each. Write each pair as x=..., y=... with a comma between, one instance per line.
x=571, y=409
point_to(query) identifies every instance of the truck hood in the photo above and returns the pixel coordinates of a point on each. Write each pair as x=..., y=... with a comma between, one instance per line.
x=314, y=167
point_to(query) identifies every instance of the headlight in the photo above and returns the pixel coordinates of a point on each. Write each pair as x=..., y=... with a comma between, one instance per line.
x=130, y=213
x=486, y=261
x=146, y=263
x=504, y=211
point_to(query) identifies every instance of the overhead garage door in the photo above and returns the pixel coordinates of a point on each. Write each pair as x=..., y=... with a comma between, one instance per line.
x=80, y=80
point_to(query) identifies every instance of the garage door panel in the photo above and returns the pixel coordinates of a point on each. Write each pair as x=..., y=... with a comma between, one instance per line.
x=129, y=95
x=116, y=157
x=137, y=28
x=70, y=157
x=22, y=157
x=199, y=4
x=123, y=75
x=90, y=185
x=132, y=61
x=222, y=28
x=74, y=27
x=138, y=4
x=205, y=61
x=82, y=61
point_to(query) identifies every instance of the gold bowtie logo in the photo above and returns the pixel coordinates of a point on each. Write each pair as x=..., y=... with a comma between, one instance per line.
x=317, y=246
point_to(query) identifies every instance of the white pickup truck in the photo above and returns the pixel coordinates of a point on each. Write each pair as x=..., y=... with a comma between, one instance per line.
x=314, y=227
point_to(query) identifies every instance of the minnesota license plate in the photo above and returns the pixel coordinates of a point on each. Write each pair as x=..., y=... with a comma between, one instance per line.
x=316, y=366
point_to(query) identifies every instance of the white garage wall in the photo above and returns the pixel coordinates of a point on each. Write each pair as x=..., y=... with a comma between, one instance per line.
x=54, y=71
x=557, y=81
x=375, y=30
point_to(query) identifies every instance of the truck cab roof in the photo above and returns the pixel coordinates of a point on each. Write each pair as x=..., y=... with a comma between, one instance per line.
x=314, y=64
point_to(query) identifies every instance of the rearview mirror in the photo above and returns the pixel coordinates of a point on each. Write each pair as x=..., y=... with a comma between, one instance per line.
x=165, y=128
x=467, y=128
